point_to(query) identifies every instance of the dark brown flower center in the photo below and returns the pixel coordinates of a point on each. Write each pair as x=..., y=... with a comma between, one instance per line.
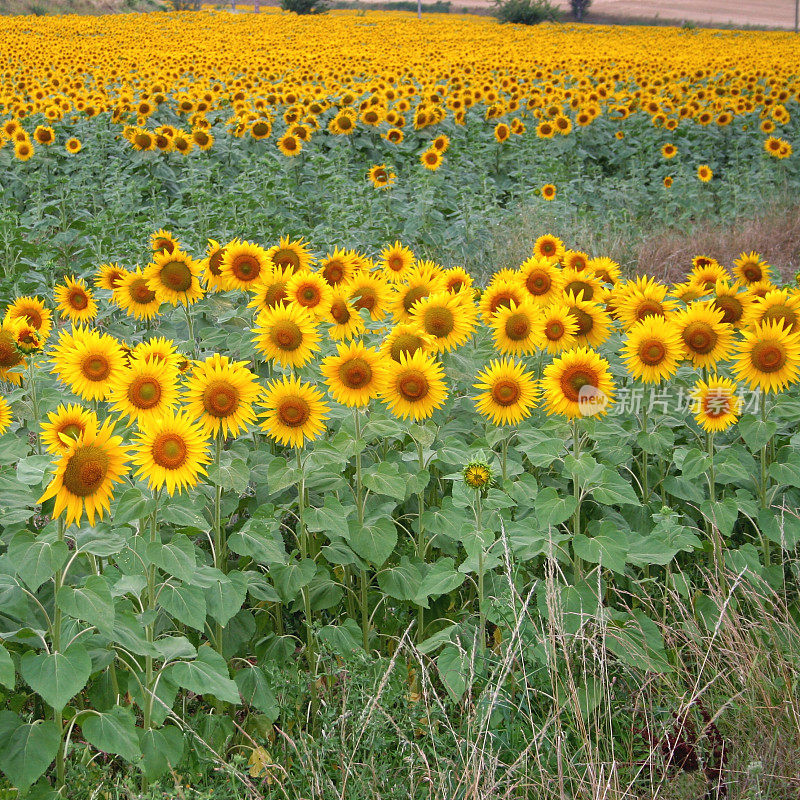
x=86, y=470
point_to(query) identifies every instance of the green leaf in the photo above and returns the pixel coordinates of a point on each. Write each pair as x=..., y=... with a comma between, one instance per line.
x=441, y=578
x=113, y=732
x=31, y=470
x=290, y=578
x=386, y=480
x=263, y=549
x=723, y=514
x=692, y=463
x=786, y=471
x=177, y=557
x=57, y=677
x=400, y=582
x=186, y=603
x=614, y=490
x=373, y=541
x=132, y=505
x=207, y=674
x=331, y=519
x=226, y=597
x=608, y=551
x=232, y=474
x=636, y=640
x=453, y=665
x=756, y=432
x=552, y=508
x=256, y=691
x=91, y=602
x=280, y=476
x=6, y=669
x=26, y=750
x=36, y=560
x=162, y=750
x=780, y=526
x=344, y=639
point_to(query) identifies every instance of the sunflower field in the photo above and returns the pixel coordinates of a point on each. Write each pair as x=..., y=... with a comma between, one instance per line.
x=303, y=496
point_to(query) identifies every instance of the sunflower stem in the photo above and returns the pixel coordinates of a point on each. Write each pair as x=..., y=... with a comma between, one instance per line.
x=481, y=612
x=421, y=546
x=190, y=325
x=150, y=627
x=645, y=465
x=58, y=579
x=34, y=403
x=219, y=544
x=360, y=512
x=764, y=475
x=576, y=488
x=504, y=460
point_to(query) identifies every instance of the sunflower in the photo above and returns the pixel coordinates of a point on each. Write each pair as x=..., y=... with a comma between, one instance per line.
x=448, y=319
x=370, y=292
x=44, y=134
x=343, y=124
x=64, y=426
x=287, y=334
x=707, y=273
x=355, y=375
x=27, y=338
x=668, y=181
x=751, y=268
x=734, y=303
x=396, y=261
x=575, y=260
x=311, y=291
x=549, y=191
x=145, y=390
x=5, y=415
x=243, y=264
x=716, y=403
x=86, y=473
x=706, y=338
x=704, y=173
x=134, y=296
x=578, y=383
x=441, y=143
x=74, y=300
x=163, y=240
x=290, y=145
x=73, y=145
x=212, y=275
x=501, y=294
x=559, y=328
x=644, y=297
x=33, y=310
x=90, y=363
x=549, y=247
x=381, y=177
x=174, y=277
x=337, y=267
x=669, y=151
x=220, y=394
x=406, y=337
x=288, y=253
x=768, y=357
x=457, y=279
x=346, y=322
x=653, y=350
x=431, y=159
x=23, y=151
x=157, y=348
x=508, y=392
x=11, y=359
x=420, y=282
x=582, y=284
x=501, y=132
x=171, y=450
x=414, y=386
x=782, y=305
x=270, y=289
x=516, y=329
x=294, y=412
x=541, y=279
x=605, y=269
x=109, y=276
x=594, y=324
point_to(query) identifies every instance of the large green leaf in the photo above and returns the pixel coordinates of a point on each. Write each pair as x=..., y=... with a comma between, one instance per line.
x=402, y=581
x=553, y=508
x=253, y=542
x=57, y=677
x=6, y=669
x=162, y=750
x=454, y=670
x=177, y=557
x=386, y=480
x=226, y=597
x=607, y=550
x=113, y=732
x=256, y=691
x=614, y=490
x=331, y=519
x=290, y=578
x=373, y=541
x=36, y=560
x=26, y=750
x=207, y=674
x=186, y=603
x=440, y=578
x=91, y=602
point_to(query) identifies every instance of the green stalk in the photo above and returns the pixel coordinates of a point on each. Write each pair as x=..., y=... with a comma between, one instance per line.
x=763, y=483
x=303, y=539
x=421, y=545
x=481, y=613
x=56, y=637
x=190, y=325
x=150, y=630
x=576, y=488
x=645, y=476
x=219, y=544
x=360, y=511
x=504, y=460
x=35, y=404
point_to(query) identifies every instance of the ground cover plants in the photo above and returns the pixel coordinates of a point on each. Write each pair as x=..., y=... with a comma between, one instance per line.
x=309, y=488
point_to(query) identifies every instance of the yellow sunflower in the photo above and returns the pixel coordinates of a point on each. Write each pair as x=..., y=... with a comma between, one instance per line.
x=605, y=269
x=174, y=277
x=715, y=403
x=653, y=350
x=707, y=272
x=414, y=386
x=406, y=337
x=508, y=392
x=171, y=450
x=420, y=282
x=157, y=348
x=86, y=473
x=549, y=248
x=294, y=254
x=457, y=279
x=582, y=284
x=782, y=305
x=294, y=412
x=734, y=302
x=5, y=415
x=145, y=390
x=290, y=145
x=243, y=264
x=311, y=291
x=541, y=279
x=346, y=322
x=64, y=426
x=559, y=328
x=91, y=364
x=220, y=394
x=27, y=338
x=706, y=338
x=75, y=301
x=337, y=267
x=704, y=173
x=642, y=298
x=751, y=268
x=500, y=293
x=355, y=375
x=516, y=330
x=396, y=261
x=33, y=310
x=163, y=240
x=594, y=324
x=370, y=291
x=109, y=276
x=287, y=334
x=768, y=357
x=270, y=290
x=135, y=297
x=212, y=272
x=448, y=319
x=577, y=384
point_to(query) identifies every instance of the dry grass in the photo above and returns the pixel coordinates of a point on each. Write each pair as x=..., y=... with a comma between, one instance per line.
x=43, y=7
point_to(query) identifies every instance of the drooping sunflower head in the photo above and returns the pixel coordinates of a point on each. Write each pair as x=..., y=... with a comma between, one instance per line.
x=578, y=383
x=448, y=319
x=414, y=386
x=145, y=390
x=768, y=357
x=243, y=265
x=171, y=450
x=64, y=426
x=508, y=392
x=516, y=329
x=706, y=338
x=174, y=276
x=34, y=312
x=287, y=334
x=311, y=291
x=294, y=412
x=75, y=301
x=751, y=268
x=109, y=276
x=355, y=374
x=396, y=261
x=653, y=350
x=135, y=297
x=542, y=279
x=220, y=393
x=86, y=472
x=5, y=415
x=716, y=403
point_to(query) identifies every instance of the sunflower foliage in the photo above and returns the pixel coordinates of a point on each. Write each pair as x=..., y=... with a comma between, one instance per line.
x=305, y=6
x=525, y=12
